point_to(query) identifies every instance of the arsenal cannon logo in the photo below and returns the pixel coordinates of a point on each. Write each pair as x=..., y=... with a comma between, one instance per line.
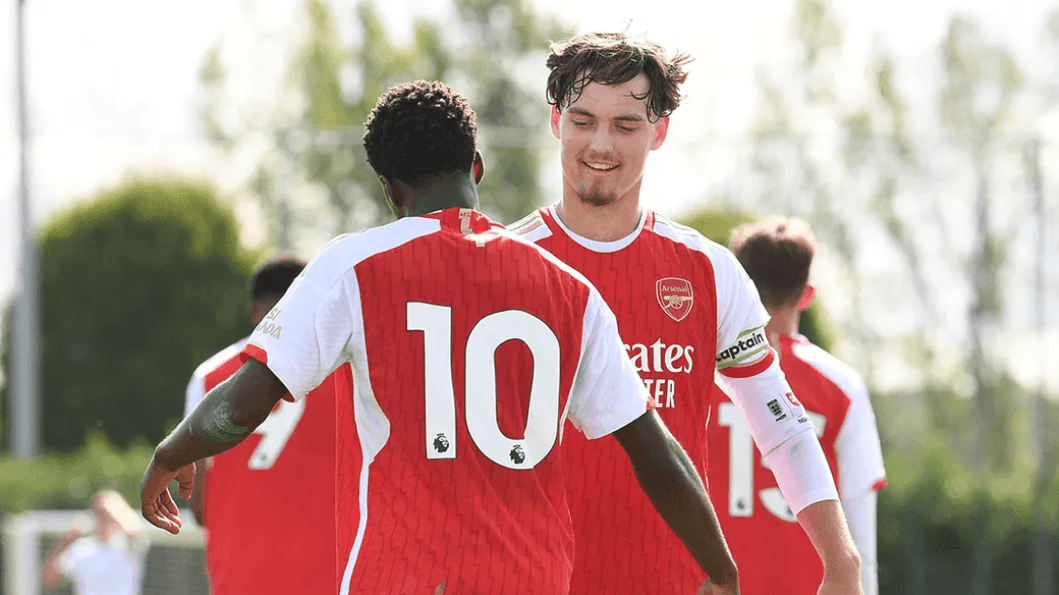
x=675, y=297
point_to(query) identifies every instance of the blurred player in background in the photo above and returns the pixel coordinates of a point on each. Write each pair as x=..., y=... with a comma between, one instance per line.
x=108, y=561
x=470, y=348
x=769, y=546
x=269, y=508
x=684, y=307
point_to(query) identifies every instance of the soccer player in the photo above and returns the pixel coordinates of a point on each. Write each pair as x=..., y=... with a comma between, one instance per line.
x=684, y=308
x=470, y=348
x=109, y=561
x=287, y=464
x=767, y=543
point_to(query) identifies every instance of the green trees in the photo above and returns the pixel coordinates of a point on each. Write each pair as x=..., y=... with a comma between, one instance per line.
x=138, y=287
x=310, y=176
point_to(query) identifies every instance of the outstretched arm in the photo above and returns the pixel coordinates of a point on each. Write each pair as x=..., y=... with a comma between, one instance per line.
x=52, y=574
x=669, y=479
x=224, y=418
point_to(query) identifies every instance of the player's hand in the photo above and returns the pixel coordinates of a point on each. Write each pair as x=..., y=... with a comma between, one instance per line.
x=156, y=504
x=711, y=588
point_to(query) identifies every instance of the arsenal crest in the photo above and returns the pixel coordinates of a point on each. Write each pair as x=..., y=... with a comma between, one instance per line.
x=675, y=297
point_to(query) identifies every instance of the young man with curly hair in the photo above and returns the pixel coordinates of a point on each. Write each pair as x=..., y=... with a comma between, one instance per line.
x=470, y=348
x=685, y=309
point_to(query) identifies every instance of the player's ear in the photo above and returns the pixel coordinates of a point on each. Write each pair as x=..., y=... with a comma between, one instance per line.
x=479, y=167
x=807, y=298
x=394, y=199
x=556, y=116
x=661, y=130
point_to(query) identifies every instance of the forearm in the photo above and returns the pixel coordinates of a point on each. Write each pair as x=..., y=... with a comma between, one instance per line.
x=680, y=497
x=212, y=428
x=669, y=480
x=825, y=525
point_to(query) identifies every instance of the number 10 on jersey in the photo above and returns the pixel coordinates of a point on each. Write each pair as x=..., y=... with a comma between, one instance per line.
x=480, y=386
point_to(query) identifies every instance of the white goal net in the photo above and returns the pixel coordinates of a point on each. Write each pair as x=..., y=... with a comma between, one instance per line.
x=174, y=564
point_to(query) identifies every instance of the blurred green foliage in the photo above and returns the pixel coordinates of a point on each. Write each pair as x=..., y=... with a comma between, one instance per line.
x=138, y=286
x=69, y=480
x=483, y=48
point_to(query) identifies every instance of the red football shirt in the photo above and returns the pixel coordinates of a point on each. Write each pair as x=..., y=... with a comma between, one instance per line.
x=269, y=502
x=774, y=555
x=469, y=349
x=684, y=308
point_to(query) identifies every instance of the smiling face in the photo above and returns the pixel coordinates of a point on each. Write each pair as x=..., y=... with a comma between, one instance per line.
x=605, y=136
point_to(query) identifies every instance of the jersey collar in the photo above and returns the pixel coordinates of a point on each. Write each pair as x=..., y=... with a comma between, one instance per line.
x=646, y=220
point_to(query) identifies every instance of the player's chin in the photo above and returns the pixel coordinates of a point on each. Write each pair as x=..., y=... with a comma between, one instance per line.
x=596, y=196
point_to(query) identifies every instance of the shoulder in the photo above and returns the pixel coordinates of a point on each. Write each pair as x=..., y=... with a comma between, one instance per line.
x=829, y=366
x=532, y=227
x=692, y=239
x=346, y=251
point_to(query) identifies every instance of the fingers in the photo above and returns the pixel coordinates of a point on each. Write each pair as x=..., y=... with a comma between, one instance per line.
x=162, y=513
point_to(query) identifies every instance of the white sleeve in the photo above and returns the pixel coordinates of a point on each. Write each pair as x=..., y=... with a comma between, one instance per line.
x=861, y=473
x=782, y=431
x=860, y=459
x=195, y=392
x=309, y=332
x=741, y=318
x=861, y=517
x=607, y=393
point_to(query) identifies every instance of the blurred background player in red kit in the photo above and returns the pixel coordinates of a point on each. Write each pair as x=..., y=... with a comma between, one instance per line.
x=267, y=505
x=773, y=553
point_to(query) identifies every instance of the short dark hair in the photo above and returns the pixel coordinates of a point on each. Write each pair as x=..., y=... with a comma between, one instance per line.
x=613, y=59
x=275, y=276
x=420, y=130
x=776, y=253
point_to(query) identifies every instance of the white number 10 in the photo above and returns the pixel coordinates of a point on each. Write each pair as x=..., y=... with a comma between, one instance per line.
x=480, y=398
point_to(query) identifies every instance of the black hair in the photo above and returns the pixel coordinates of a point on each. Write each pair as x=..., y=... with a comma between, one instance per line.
x=421, y=130
x=275, y=276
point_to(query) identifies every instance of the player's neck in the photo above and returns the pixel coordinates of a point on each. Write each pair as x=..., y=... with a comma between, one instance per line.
x=600, y=223
x=451, y=192
x=784, y=321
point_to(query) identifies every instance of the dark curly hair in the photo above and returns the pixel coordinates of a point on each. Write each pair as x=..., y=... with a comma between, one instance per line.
x=613, y=59
x=776, y=254
x=420, y=130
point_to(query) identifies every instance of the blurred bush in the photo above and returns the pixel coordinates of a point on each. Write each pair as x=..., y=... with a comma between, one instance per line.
x=69, y=480
x=138, y=286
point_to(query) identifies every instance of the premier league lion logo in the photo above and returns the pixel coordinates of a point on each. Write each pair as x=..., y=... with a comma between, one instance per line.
x=518, y=455
x=441, y=443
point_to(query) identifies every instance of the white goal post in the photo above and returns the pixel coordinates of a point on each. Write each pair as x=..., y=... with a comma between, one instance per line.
x=174, y=563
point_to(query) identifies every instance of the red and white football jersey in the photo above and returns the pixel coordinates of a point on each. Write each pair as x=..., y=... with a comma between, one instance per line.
x=269, y=502
x=685, y=308
x=773, y=554
x=469, y=350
